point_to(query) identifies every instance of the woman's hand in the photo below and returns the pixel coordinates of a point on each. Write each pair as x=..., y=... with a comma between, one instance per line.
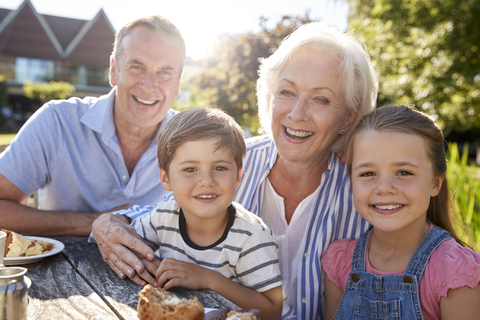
x=175, y=273
x=116, y=240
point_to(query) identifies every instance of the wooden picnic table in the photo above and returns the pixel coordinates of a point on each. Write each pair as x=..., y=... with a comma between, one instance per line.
x=78, y=284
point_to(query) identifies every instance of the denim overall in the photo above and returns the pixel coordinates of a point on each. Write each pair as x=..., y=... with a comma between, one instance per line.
x=370, y=296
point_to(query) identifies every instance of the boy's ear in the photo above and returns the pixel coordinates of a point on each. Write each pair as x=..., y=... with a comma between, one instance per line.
x=239, y=177
x=437, y=185
x=164, y=180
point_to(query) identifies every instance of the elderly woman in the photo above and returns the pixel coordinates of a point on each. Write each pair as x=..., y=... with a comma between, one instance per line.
x=311, y=93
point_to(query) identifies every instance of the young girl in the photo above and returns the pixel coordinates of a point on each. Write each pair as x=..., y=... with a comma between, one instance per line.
x=411, y=265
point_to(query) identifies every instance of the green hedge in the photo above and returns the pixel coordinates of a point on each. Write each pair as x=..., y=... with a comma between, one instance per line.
x=464, y=183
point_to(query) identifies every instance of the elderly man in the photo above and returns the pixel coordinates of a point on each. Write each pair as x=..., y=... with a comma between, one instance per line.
x=86, y=157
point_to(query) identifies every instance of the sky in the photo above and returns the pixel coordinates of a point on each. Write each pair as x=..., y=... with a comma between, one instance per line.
x=199, y=21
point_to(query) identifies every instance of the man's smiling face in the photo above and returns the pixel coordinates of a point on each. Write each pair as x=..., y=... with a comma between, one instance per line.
x=147, y=75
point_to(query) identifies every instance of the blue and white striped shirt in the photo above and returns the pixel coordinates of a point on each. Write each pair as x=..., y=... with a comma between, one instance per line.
x=333, y=217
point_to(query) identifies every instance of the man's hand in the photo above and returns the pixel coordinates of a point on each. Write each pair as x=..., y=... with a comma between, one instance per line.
x=175, y=273
x=116, y=239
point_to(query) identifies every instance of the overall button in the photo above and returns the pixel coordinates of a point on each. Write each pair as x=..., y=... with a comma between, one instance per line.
x=407, y=280
x=356, y=277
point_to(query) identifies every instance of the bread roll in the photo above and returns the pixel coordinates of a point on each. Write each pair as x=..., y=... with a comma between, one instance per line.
x=158, y=304
x=227, y=314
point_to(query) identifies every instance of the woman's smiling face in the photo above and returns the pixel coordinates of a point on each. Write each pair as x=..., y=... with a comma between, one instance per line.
x=308, y=106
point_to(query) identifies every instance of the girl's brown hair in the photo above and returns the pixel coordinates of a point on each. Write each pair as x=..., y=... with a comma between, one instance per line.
x=407, y=120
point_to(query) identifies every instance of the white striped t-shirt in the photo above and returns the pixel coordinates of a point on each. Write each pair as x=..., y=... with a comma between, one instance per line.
x=246, y=253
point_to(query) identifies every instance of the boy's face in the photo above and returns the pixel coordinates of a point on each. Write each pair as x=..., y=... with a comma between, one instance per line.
x=203, y=180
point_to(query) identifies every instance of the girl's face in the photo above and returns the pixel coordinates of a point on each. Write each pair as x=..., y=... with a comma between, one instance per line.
x=392, y=180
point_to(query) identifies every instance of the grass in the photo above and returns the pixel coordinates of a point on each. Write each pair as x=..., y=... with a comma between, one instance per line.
x=464, y=184
x=6, y=138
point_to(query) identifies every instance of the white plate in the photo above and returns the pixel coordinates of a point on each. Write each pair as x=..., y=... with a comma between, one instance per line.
x=24, y=260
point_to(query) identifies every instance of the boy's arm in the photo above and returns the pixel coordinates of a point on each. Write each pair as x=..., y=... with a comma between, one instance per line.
x=173, y=273
x=333, y=296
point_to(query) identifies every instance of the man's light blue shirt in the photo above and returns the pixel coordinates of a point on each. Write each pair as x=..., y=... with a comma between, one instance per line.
x=69, y=151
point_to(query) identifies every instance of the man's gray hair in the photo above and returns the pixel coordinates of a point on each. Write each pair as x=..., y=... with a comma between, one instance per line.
x=156, y=23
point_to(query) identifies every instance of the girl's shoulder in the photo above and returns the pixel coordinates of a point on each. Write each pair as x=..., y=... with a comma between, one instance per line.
x=452, y=266
x=340, y=247
x=337, y=261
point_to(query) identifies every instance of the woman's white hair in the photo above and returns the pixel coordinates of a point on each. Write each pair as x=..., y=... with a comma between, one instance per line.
x=359, y=79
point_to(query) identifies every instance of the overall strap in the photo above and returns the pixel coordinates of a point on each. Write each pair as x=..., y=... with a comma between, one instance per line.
x=360, y=253
x=422, y=254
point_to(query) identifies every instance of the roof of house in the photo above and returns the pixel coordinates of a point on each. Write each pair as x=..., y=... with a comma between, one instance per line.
x=26, y=33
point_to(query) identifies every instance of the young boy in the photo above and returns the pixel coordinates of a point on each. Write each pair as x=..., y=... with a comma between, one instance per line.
x=205, y=240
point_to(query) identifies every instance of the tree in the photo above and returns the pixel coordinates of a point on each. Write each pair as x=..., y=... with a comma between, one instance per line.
x=230, y=74
x=44, y=92
x=426, y=53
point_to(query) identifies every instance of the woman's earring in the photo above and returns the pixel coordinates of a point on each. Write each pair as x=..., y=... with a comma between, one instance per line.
x=343, y=130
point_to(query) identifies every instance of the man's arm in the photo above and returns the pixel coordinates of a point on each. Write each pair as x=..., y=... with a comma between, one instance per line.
x=30, y=221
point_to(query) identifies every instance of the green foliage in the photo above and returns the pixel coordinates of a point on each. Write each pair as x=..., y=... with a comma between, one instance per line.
x=426, y=53
x=48, y=91
x=230, y=75
x=464, y=184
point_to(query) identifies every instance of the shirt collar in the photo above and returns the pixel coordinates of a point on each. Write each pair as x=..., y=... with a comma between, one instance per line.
x=99, y=116
x=273, y=155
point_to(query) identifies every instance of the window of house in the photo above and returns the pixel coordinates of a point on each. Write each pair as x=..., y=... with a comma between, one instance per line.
x=34, y=70
x=82, y=74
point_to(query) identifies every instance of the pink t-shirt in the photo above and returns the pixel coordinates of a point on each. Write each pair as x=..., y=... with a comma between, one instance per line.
x=450, y=266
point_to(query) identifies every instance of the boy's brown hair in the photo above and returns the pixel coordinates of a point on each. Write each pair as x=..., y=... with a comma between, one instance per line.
x=200, y=124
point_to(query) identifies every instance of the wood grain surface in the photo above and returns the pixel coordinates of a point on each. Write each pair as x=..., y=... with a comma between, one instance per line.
x=78, y=284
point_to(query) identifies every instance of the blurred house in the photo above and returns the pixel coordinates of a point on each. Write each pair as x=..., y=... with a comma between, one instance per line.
x=40, y=48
